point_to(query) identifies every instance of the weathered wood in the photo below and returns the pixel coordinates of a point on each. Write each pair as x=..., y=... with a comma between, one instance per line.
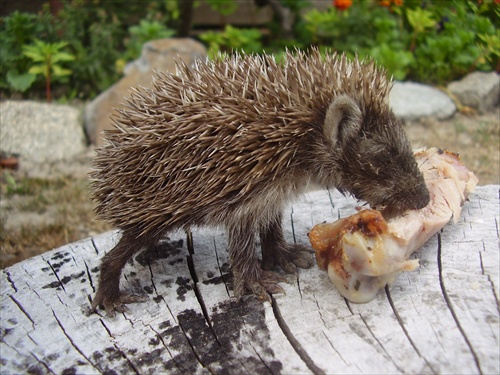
x=441, y=318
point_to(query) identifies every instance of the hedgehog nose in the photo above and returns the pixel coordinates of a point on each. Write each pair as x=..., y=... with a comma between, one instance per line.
x=420, y=197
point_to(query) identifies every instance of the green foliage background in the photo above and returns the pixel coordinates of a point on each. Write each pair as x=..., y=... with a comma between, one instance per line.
x=422, y=40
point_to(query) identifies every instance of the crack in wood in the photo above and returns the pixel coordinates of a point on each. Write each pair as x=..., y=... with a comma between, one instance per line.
x=197, y=293
x=47, y=367
x=388, y=356
x=331, y=200
x=319, y=309
x=61, y=301
x=126, y=358
x=165, y=346
x=193, y=350
x=298, y=285
x=293, y=226
x=94, y=246
x=295, y=242
x=403, y=327
x=219, y=267
x=72, y=257
x=20, y=306
x=71, y=340
x=152, y=277
x=488, y=277
x=301, y=352
x=9, y=279
x=348, y=305
x=128, y=319
x=23, y=366
x=27, y=273
x=56, y=275
x=89, y=276
x=334, y=348
x=262, y=360
x=106, y=328
x=450, y=306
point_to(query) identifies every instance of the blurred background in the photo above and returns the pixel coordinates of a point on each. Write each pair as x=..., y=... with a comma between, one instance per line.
x=420, y=40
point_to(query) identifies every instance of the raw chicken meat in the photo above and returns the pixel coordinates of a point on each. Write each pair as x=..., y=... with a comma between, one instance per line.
x=366, y=251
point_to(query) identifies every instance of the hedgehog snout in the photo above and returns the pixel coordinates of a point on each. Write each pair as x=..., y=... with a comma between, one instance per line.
x=410, y=198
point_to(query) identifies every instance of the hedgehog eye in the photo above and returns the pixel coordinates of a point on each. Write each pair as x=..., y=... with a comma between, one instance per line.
x=342, y=120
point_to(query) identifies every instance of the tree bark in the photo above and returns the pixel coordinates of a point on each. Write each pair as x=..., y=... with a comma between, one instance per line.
x=441, y=318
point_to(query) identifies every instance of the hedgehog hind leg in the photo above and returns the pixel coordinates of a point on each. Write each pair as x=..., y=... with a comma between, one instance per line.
x=108, y=293
x=277, y=252
x=248, y=275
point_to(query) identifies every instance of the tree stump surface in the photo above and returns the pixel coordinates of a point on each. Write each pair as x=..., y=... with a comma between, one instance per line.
x=441, y=318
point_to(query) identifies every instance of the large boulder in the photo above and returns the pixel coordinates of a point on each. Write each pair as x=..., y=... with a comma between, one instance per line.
x=158, y=55
x=41, y=132
x=477, y=90
x=411, y=101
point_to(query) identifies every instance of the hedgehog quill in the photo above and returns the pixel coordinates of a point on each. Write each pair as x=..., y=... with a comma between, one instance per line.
x=231, y=142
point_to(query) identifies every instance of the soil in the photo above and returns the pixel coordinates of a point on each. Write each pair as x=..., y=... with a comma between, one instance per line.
x=47, y=206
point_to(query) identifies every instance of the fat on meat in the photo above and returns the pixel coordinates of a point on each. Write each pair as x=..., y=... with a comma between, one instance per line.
x=366, y=251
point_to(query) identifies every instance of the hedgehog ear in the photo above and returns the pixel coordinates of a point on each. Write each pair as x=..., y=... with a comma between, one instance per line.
x=342, y=120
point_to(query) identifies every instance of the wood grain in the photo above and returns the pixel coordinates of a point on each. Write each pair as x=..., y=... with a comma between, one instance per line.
x=441, y=318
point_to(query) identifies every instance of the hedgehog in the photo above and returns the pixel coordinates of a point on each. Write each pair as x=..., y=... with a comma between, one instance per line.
x=230, y=142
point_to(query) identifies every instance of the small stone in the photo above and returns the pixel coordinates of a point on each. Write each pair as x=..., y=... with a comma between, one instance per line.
x=478, y=90
x=412, y=101
x=41, y=132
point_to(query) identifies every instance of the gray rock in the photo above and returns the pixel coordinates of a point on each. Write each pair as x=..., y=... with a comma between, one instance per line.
x=41, y=132
x=477, y=90
x=158, y=55
x=411, y=101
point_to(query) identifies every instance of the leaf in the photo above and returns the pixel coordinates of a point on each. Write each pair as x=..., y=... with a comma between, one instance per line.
x=492, y=43
x=420, y=19
x=38, y=69
x=33, y=53
x=20, y=82
x=62, y=56
x=60, y=71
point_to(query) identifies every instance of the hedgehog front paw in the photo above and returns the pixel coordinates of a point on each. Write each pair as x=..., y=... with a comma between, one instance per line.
x=288, y=258
x=267, y=284
x=115, y=303
x=262, y=286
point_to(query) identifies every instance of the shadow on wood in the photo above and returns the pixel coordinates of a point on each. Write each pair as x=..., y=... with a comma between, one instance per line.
x=441, y=318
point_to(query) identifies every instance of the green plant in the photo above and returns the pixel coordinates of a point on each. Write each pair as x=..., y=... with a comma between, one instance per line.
x=397, y=62
x=366, y=29
x=96, y=32
x=463, y=40
x=426, y=41
x=224, y=7
x=489, y=52
x=47, y=58
x=233, y=39
x=142, y=33
x=17, y=30
x=95, y=35
x=435, y=44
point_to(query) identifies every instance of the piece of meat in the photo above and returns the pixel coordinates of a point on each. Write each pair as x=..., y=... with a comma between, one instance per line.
x=366, y=251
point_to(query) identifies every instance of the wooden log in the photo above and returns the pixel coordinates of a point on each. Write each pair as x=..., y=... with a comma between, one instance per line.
x=441, y=318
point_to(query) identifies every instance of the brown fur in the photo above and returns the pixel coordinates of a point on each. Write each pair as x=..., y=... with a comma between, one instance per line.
x=231, y=142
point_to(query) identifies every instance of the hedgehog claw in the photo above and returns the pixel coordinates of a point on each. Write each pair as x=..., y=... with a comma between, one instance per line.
x=265, y=285
x=115, y=305
x=289, y=258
